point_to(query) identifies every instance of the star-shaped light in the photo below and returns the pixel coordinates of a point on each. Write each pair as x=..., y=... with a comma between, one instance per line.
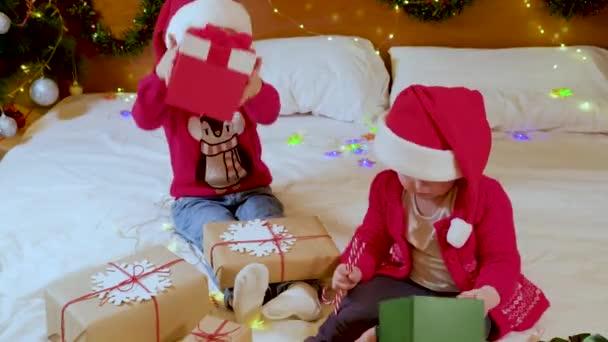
x=366, y=163
x=369, y=136
x=333, y=154
x=561, y=93
x=295, y=139
x=521, y=136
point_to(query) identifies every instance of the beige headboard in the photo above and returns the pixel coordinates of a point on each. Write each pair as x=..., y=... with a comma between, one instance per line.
x=485, y=24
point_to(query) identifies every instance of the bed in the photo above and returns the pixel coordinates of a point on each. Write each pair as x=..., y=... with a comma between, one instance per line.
x=87, y=186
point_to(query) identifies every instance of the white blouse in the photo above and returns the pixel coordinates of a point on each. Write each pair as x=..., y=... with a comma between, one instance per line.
x=428, y=267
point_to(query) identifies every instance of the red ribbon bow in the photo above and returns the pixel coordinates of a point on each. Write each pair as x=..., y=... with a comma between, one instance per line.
x=134, y=279
x=216, y=336
x=276, y=239
x=221, y=37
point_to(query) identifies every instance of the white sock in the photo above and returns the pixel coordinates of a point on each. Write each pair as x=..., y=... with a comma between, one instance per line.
x=299, y=300
x=250, y=287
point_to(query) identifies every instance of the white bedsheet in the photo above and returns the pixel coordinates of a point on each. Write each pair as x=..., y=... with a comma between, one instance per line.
x=88, y=186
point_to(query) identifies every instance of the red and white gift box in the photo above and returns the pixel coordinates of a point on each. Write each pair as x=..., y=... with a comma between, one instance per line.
x=209, y=76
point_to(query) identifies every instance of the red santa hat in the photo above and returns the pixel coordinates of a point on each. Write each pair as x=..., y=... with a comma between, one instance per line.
x=176, y=16
x=437, y=134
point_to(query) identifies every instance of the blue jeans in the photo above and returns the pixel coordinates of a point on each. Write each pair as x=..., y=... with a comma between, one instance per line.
x=190, y=214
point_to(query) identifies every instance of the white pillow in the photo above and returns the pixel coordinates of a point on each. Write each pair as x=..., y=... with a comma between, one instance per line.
x=517, y=83
x=335, y=76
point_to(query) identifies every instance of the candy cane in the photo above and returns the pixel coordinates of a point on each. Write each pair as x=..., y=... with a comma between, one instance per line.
x=354, y=255
x=329, y=300
x=356, y=250
x=350, y=264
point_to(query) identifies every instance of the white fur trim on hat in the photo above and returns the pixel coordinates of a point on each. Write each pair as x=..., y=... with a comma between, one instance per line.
x=223, y=13
x=414, y=160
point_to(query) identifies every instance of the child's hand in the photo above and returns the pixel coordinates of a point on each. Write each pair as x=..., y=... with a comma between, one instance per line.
x=487, y=294
x=368, y=336
x=255, y=83
x=344, y=280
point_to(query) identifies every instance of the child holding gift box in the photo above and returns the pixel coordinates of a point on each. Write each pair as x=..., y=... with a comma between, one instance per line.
x=218, y=171
x=436, y=225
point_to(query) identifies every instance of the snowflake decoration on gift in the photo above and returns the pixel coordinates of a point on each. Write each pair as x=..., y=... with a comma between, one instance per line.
x=260, y=232
x=153, y=283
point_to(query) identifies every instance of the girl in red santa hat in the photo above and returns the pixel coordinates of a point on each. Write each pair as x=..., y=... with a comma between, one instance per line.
x=436, y=225
x=218, y=172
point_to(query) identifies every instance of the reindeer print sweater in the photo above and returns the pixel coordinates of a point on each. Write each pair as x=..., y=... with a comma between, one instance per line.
x=209, y=157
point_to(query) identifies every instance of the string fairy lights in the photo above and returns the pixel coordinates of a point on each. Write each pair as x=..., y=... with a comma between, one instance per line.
x=575, y=8
x=430, y=10
x=131, y=42
x=297, y=138
x=32, y=73
x=335, y=17
x=557, y=38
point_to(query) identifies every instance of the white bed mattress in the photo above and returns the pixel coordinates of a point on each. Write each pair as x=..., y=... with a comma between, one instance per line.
x=89, y=186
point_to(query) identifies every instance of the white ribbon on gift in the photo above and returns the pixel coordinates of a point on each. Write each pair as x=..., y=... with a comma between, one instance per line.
x=241, y=61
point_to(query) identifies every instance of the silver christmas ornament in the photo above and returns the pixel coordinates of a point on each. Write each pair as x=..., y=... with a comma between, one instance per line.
x=44, y=92
x=8, y=126
x=5, y=23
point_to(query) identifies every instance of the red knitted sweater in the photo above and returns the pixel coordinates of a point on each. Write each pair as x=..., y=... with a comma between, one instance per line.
x=489, y=257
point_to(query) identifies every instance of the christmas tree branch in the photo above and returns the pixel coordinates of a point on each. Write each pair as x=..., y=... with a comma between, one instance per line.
x=40, y=68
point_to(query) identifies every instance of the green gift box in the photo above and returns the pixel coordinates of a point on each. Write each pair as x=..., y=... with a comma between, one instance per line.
x=431, y=319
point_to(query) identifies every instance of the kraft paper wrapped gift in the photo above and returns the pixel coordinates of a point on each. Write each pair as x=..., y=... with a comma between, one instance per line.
x=210, y=75
x=213, y=329
x=151, y=296
x=431, y=319
x=293, y=248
